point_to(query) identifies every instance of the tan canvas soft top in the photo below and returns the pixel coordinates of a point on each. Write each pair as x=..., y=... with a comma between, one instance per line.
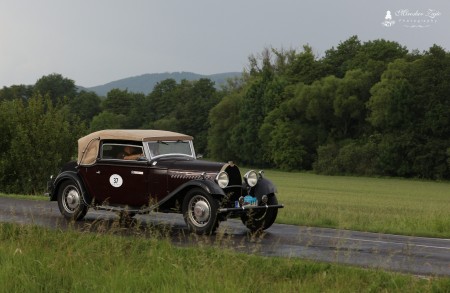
x=88, y=145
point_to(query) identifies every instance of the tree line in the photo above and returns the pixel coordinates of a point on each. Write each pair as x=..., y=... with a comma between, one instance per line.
x=364, y=108
x=41, y=124
x=369, y=108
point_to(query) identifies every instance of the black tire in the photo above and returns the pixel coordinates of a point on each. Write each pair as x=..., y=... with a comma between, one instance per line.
x=200, y=211
x=70, y=201
x=258, y=220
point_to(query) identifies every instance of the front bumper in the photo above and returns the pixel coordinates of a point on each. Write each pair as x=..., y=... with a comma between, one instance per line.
x=250, y=207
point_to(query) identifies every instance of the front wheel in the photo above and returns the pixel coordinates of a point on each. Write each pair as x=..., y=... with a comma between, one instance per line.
x=200, y=211
x=257, y=220
x=70, y=201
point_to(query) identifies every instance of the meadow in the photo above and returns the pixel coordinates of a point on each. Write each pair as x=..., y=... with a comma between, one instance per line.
x=385, y=205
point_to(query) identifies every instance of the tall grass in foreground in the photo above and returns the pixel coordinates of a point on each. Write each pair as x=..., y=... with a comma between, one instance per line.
x=386, y=205
x=34, y=259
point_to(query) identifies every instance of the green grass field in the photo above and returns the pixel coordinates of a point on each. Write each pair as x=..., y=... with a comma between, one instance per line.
x=397, y=206
x=35, y=259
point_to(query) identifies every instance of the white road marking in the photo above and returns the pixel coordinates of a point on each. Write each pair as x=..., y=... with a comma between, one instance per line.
x=386, y=242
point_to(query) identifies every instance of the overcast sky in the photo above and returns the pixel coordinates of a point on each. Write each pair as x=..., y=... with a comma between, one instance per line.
x=99, y=41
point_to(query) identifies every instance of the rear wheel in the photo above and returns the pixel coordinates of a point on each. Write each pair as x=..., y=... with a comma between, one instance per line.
x=200, y=211
x=125, y=213
x=70, y=201
x=126, y=218
x=257, y=220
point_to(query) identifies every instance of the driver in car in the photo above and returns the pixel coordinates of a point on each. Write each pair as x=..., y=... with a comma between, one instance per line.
x=130, y=153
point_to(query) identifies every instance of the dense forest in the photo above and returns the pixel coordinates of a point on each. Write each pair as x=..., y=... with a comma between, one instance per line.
x=364, y=108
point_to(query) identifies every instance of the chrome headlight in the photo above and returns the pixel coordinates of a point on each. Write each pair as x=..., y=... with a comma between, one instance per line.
x=251, y=178
x=261, y=173
x=222, y=179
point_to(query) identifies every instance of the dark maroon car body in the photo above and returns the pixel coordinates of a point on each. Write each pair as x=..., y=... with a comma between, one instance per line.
x=173, y=180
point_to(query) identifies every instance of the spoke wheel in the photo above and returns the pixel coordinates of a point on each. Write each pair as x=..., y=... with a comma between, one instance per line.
x=70, y=201
x=200, y=211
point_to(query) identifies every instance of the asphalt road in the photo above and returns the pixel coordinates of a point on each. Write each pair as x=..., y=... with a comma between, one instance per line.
x=416, y=255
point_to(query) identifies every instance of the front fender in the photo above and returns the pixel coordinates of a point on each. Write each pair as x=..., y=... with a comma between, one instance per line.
x=263, y=187
x=207, y=185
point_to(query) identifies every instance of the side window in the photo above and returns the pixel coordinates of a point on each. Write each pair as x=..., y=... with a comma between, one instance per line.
x=130, y=152
x=108, y=152
x=121, y=152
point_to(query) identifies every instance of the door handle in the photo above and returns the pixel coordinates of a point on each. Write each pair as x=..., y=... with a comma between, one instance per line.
x=137, y=172
x=98, y=172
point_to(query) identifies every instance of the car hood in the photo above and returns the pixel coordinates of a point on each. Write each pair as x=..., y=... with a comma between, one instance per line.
x=188, y=168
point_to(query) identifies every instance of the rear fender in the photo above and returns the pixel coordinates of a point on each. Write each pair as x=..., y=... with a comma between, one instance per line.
x=72, y=176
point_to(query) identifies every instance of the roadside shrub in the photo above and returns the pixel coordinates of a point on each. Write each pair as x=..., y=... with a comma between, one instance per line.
x=326, y=162
x=358, y=158
x=41, y=138
x=349, y=157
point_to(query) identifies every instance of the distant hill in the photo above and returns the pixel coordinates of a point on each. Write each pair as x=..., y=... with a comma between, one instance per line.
x=145, y=83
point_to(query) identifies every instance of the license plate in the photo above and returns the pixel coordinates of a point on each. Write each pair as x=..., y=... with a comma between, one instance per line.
x=248, y=201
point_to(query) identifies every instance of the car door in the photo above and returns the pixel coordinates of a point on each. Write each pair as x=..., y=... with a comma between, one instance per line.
x=115, y=181
x=158, y=183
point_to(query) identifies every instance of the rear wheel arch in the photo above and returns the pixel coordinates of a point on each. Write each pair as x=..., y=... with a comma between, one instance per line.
x=70, y=176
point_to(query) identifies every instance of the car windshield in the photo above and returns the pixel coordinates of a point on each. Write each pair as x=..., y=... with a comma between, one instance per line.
x=163, y=148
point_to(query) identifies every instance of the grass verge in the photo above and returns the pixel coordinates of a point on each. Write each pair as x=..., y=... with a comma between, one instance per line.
x=19, y=196
x=34, y=259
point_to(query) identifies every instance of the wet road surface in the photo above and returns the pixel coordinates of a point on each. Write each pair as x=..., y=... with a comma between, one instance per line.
x=416, y=255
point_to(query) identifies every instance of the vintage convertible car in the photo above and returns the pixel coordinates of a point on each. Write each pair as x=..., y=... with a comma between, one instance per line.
x=138, y=171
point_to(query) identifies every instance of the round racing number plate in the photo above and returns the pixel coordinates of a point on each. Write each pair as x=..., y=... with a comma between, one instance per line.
x=116, y=180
